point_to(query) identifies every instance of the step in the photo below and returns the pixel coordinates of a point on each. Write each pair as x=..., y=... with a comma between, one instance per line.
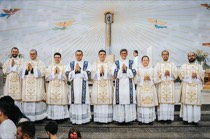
x=113, y=130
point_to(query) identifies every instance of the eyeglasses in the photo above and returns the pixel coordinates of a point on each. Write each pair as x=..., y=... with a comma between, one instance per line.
x=32, y=53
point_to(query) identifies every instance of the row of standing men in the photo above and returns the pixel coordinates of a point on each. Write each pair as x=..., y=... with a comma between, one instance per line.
x=25, y=83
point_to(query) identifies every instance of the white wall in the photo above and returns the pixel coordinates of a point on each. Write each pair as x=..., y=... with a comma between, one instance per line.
x=32, y=27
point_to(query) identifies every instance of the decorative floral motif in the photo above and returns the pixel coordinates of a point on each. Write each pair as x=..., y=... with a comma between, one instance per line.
x=201, y=56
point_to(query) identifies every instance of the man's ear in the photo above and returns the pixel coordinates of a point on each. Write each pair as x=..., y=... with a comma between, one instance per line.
x=1, y=113
x=26, y=136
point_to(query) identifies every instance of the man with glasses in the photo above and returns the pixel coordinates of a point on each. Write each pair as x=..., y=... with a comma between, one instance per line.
x=33, y=89
x=79, y=73
x=192, y=75
x=124, y=101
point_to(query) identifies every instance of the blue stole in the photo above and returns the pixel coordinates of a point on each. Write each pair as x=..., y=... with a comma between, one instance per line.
x=130, y=81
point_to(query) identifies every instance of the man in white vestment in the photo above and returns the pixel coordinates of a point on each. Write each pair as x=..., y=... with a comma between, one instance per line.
x=192, y=76
x=146, y=93
x=33, y=88
x=79, y=73
x=166, y=75
x=101, y=96
x=12, y=68
x=124, y=100
x=57, y=94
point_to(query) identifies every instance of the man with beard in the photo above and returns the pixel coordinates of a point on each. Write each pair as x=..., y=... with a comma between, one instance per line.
x=26, y=130
x=167, y=74
x=12, y=68
x=192, y=76
x=33, y=90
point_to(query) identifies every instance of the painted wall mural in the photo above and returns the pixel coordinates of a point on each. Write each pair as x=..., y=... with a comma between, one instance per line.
x=65, y=26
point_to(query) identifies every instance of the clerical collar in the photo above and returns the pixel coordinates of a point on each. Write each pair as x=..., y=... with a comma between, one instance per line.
x=166, y=61
x=81, y=61
x=15, y=57
x=145, y=67
x=192, y=63
x=101, y=61
x=123, y=59
x=57, y=64
x=34, y=59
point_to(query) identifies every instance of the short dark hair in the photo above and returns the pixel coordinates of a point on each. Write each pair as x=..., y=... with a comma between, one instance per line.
x=136, y=51
x=164, y=51
x=34, y=50
x=144, y=57
x=28, y=128
x=5, y=108
x=14, y=48
x=101, y=51
x=8, y=100
x=52, y=127
x=80, y=51
x=57, y=54
x=123, y=50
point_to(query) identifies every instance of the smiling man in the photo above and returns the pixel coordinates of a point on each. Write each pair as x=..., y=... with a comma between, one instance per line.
x=124, y=70
x=192, y=76
x=57, y=94
x=101, y=96
x=166, y=75
x=33, y=89
x=12, y=68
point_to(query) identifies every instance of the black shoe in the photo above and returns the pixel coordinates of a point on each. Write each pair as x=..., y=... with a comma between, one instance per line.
x=59, y=121
x=151, y=123
x=196, y=124
x=162, y=122
x=84, y=123
x=169, y=121
x=185, y=123
x=39, y=122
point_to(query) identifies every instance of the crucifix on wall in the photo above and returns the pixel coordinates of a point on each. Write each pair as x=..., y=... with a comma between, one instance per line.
x=108, y=19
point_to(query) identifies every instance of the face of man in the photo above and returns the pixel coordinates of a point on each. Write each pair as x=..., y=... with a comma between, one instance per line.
x=165, y=55
x=135, y=54
x=145, y=62
x=33, y=55
x=191, y=57
x=1, y=116
x=19, y=133
x=102, y=56
x=57, y=59
x=14, y=53
x=78, y=56
x=123, y=55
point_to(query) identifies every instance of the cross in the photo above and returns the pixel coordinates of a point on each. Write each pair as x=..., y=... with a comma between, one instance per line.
x=108, y=19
